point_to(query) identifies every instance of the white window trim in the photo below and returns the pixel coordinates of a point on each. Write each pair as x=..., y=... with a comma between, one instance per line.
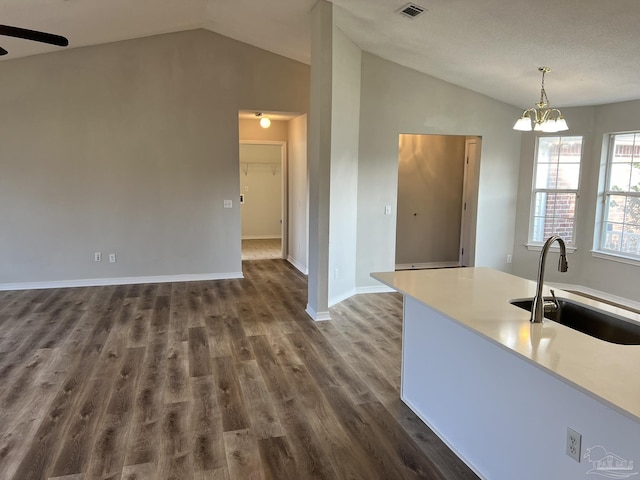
x=531, y=244
x=614, y=257
x=537, y=247
x=598, y=251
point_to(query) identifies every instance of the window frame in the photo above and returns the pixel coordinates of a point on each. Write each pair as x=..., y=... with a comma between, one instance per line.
x=536, y=245
x=605, y=192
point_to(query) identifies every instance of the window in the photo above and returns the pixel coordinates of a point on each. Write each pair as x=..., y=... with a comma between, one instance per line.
x=555, y=189
x=621, y=210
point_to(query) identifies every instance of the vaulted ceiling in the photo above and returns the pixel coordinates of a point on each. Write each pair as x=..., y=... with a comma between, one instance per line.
x=492, y=46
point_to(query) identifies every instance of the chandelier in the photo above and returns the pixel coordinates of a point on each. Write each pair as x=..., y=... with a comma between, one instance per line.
x=541, y=118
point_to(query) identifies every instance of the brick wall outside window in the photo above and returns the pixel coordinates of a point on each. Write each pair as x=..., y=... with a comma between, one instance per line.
x=555, y=192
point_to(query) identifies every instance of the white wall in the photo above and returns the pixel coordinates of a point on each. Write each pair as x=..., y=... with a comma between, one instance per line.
x=395, y=100
x=131, y=147
x=430, y=182
x=298, y=198
x=261, y=186
x=345, y=116
x=609, y=276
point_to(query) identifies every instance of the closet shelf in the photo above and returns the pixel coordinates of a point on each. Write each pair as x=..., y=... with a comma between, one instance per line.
x=272, y=165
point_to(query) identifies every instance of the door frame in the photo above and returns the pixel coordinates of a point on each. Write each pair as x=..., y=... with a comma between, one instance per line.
x=469, y=202
x=469, y=191
x=284, y=244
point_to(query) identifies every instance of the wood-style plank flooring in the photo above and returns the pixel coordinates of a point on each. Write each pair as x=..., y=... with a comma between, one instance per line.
x=207, y=380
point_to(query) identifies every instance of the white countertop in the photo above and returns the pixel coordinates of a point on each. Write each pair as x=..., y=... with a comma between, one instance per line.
x=478, y=298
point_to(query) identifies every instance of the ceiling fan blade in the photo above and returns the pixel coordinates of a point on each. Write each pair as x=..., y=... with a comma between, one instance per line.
x=33, y=35
x=3, y=51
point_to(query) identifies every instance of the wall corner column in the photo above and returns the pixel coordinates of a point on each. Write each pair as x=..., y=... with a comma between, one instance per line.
x=319, y=159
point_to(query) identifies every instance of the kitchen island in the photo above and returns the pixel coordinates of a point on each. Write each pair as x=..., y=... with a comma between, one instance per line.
x=500, y=391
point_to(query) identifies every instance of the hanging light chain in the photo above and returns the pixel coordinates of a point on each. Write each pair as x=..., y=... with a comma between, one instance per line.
x=544, y=100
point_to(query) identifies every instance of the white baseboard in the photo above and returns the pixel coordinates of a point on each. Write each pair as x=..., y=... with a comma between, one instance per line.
x=261, y=237
x=317, y=316
x=598, y=294
x=374, y=289
x=417, y=266
x=335, y=300
x=100, y=282
x=302, y=268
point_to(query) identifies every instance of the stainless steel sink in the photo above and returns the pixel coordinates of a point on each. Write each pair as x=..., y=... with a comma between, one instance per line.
x=597, y=323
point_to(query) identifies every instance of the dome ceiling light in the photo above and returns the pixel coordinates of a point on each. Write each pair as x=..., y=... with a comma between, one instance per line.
x=264, y=121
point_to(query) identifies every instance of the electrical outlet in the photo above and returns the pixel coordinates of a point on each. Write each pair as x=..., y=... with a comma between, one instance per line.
x=574, y=443
x=97, y=257
x=112, y=258
x=509, y=258
x=228, y=204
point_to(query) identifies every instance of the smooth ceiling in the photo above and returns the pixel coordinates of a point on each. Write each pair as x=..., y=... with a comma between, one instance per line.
x=493, y=47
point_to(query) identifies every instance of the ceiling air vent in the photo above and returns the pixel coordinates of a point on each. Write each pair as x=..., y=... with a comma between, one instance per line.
x=411, y=10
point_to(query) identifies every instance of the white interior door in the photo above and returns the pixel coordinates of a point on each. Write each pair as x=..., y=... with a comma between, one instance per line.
x=263, y=190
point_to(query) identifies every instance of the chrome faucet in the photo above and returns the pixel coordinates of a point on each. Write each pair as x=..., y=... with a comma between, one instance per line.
x=539, y=305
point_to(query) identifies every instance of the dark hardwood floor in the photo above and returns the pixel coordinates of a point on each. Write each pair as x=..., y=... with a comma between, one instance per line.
x=207, y=380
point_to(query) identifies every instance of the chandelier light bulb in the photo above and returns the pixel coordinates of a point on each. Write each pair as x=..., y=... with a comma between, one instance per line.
x=265, y=122
x=542, y=118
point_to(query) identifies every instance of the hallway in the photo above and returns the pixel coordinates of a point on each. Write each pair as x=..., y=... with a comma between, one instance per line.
x=261, y=249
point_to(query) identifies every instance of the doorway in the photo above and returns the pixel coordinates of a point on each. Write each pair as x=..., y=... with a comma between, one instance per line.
x=469, y=202
x=436, y=205
x=263, y=199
